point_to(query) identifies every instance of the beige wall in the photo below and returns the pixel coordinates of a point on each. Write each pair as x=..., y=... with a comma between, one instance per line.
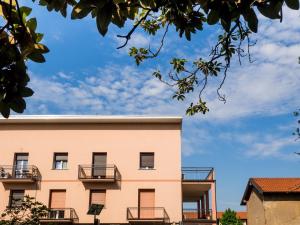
x=282, y=211
x=255, y=210
x=273, y=210
x=122, y=142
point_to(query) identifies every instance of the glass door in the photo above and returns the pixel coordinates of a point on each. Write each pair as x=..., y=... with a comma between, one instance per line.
x=21, y=169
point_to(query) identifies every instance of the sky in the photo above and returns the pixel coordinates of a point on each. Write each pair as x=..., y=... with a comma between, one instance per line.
x=249, y=136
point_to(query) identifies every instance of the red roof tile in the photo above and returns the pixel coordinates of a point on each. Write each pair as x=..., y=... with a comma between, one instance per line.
x=277, y=184
x=271, y=185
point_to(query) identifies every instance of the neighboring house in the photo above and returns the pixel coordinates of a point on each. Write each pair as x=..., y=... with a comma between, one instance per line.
x=272, y=201
x=241, y=215
x=131, y=165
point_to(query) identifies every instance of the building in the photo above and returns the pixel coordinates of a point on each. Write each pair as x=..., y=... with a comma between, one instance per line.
x=131, y=165
x=241, y=215
x=272, y=201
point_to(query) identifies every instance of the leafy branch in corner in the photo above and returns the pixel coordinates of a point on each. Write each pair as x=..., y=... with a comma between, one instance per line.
x=19, y=41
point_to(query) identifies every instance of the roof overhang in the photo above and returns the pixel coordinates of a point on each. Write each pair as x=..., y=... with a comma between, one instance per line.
x=92, y=119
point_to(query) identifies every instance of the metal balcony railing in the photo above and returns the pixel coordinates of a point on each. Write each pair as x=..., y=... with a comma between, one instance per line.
x=197, y=173
x=109, y=173
x=147, y=214
x=195, y=214
x=19, y=173
x=61, y=215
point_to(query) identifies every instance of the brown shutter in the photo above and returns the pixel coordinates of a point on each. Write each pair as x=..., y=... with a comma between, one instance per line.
x=22, y=156
x=98, y=197
x=61, y=157
x=58, y=199
x=147, y=160
x=99, y=161
x=147, y=203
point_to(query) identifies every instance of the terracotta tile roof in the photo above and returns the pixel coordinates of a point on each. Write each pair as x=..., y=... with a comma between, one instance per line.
x=240, y=215
x=277, y=184
x=271, y=185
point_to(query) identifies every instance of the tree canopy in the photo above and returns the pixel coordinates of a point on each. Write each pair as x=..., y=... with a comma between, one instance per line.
x=20, y=41
x=24, y=212
x=230, y=218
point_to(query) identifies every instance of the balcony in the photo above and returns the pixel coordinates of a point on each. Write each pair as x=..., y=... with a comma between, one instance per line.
x=147, y=214
x=63, y=215
x=95, y=173
x=195, y=215
x=16, y=174
x=197, y=174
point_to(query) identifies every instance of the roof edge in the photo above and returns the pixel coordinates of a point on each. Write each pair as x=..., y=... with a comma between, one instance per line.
x=33, y=119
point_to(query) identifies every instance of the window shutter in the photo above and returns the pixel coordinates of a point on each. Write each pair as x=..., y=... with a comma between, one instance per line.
x=98, y=197
x=58, y=199
x=21, y=156
x=61, y=157
x=147, y=160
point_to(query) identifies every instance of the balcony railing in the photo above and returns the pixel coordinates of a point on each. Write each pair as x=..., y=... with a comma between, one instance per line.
x=19, y=174
x=96, y=173
x=195, y=214
x=145, y=214
x=61, y=215
x=197, y=173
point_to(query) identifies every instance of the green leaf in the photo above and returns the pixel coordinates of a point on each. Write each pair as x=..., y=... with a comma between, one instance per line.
x=40, y=48
x=31, y=23
x=252, y=20
x=25, y=11
x=104, y=16
x=18, y=105
x=292, y=4
x=213, y=17
x=272, y=10
x=26, y=92
x=81, y=10
x=36, y=57
x=39, y=37
x=4, y=109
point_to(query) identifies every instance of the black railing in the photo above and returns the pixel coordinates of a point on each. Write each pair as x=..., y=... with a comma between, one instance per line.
x=20, y=173
x=98, y=172
x=147, y=214
x=197, y=173
x=195, y=214
x=61, y=214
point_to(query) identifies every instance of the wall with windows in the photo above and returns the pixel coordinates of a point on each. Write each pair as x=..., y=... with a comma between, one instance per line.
x=147, y=156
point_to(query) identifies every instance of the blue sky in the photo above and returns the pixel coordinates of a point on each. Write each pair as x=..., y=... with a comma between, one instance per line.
x=249, y=136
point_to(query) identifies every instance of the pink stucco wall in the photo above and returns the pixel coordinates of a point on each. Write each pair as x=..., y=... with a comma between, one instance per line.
x=122, y=141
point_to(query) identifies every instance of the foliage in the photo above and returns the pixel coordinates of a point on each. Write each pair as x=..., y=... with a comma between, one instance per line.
x=24, y=212
x=19, y=41
x=229, y=218
x=297, y=131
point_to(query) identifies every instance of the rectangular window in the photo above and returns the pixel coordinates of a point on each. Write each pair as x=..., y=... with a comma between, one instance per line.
x=57, y=204
x=16, y=197
x=97, y=197
x=60, y=161
x=147, y=160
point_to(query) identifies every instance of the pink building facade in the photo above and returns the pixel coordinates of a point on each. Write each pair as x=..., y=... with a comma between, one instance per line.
x=131, y=165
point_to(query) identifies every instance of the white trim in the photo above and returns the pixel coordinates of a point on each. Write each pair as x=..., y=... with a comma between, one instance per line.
x=29, y=119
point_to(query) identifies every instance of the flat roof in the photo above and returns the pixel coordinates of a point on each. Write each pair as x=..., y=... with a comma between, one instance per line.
x=88, y=119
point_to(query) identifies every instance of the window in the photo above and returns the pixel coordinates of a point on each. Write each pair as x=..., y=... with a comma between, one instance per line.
x=147, y=160
x=60, y=161
x=97, y=197
x=57, y=204
x=16, y=197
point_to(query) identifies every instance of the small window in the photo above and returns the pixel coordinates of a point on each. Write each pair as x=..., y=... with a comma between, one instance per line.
x=97, y=197
x=16, y=197
x=60, y=161
x=147, y=160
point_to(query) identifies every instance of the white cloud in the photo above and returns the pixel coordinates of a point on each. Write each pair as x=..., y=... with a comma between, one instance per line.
x=112, y=90
x=273, y=147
